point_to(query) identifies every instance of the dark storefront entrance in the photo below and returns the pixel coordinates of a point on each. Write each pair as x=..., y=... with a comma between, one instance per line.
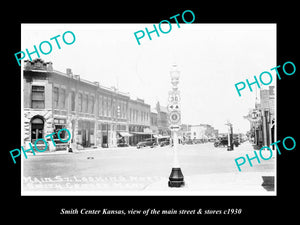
x=86, y=129
x=37, y=128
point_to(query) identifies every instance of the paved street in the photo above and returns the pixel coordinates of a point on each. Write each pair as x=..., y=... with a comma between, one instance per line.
x=141, y=169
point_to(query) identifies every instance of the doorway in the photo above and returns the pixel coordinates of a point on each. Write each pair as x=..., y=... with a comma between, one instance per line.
x=37, y=128
x=85, y=137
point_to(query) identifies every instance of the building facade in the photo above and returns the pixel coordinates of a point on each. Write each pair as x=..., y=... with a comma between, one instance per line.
x=162, y=120
x=96, y=116
x=153, y=121
x=262, y=119
x=139, y=121
x=267, y=108
x=201, y=132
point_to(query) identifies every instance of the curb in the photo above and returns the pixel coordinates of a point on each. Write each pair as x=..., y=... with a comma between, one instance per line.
x=249, y=183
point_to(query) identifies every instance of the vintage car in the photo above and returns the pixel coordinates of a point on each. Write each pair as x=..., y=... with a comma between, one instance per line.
x=188, y=142
x=147, y=142
x=164, y=143
x=221, y=142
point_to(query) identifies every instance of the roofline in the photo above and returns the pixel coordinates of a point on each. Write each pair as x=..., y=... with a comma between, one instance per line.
x=125, y=94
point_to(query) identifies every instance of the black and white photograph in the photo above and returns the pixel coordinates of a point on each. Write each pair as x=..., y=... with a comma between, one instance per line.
x=141, y=109
x=152, y=112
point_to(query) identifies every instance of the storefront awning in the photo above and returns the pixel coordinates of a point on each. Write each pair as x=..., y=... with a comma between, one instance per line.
x=161, y=136
x=141, y=133
x=125, y=134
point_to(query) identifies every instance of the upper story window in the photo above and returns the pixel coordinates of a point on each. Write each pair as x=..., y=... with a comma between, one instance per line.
x=85, y=103
x=91, y=104
x=62, y=98
x=80, y=102
x=38, y=97
x=55, y=97
x=104, y=106
x=100, y=106
x=73, y=101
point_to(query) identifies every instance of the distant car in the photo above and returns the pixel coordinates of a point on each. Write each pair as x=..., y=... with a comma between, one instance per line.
x=188, y=142
x=199, y=141
x=224, y=142
x=123, y=144
x=236, y=142
x=164, y=143
x=147, y=142
x=221, y=142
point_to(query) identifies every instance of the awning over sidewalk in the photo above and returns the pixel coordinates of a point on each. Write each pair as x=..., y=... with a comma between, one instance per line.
x=163, y=136
x=125, y=134
x=141, y=133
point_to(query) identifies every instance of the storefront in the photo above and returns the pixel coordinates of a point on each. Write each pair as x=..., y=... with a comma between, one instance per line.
x=123, y=138
x=58, y=124
x=85, y=133
x=138, y=134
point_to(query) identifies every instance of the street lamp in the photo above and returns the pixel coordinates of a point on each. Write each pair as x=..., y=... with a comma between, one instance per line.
x=176, y=178
x=230, y=144
x=175, y=74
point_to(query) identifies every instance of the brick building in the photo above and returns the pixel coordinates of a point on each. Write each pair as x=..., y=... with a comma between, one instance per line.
x=96, y=116
x=162, y=120
x=153, y=121
x=138, y=121
x=262, y=119
x=267, y=107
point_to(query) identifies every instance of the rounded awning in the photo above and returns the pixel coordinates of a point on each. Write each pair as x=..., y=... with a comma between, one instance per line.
x=37, y=121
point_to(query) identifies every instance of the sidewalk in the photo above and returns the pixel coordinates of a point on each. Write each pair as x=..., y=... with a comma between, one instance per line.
x=249, y=183
x=61, y=152
x=246, y=146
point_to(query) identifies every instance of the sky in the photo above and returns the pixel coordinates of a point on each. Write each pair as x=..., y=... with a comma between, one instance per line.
x=211, y=59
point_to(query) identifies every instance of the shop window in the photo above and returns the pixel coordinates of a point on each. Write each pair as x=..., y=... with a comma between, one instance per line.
x=104, y=127
x=62, y=134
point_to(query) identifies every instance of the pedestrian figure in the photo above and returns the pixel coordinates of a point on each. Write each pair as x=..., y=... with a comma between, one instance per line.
x=69, y=147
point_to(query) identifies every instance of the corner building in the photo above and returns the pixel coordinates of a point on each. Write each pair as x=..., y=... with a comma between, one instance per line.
x=95, y=115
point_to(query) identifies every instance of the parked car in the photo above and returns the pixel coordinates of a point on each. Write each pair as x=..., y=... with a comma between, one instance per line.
x=188, y=142
x=164, y=143
x=146, y=142
x=223, y=141
x=236, y=142
x=122, y=144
